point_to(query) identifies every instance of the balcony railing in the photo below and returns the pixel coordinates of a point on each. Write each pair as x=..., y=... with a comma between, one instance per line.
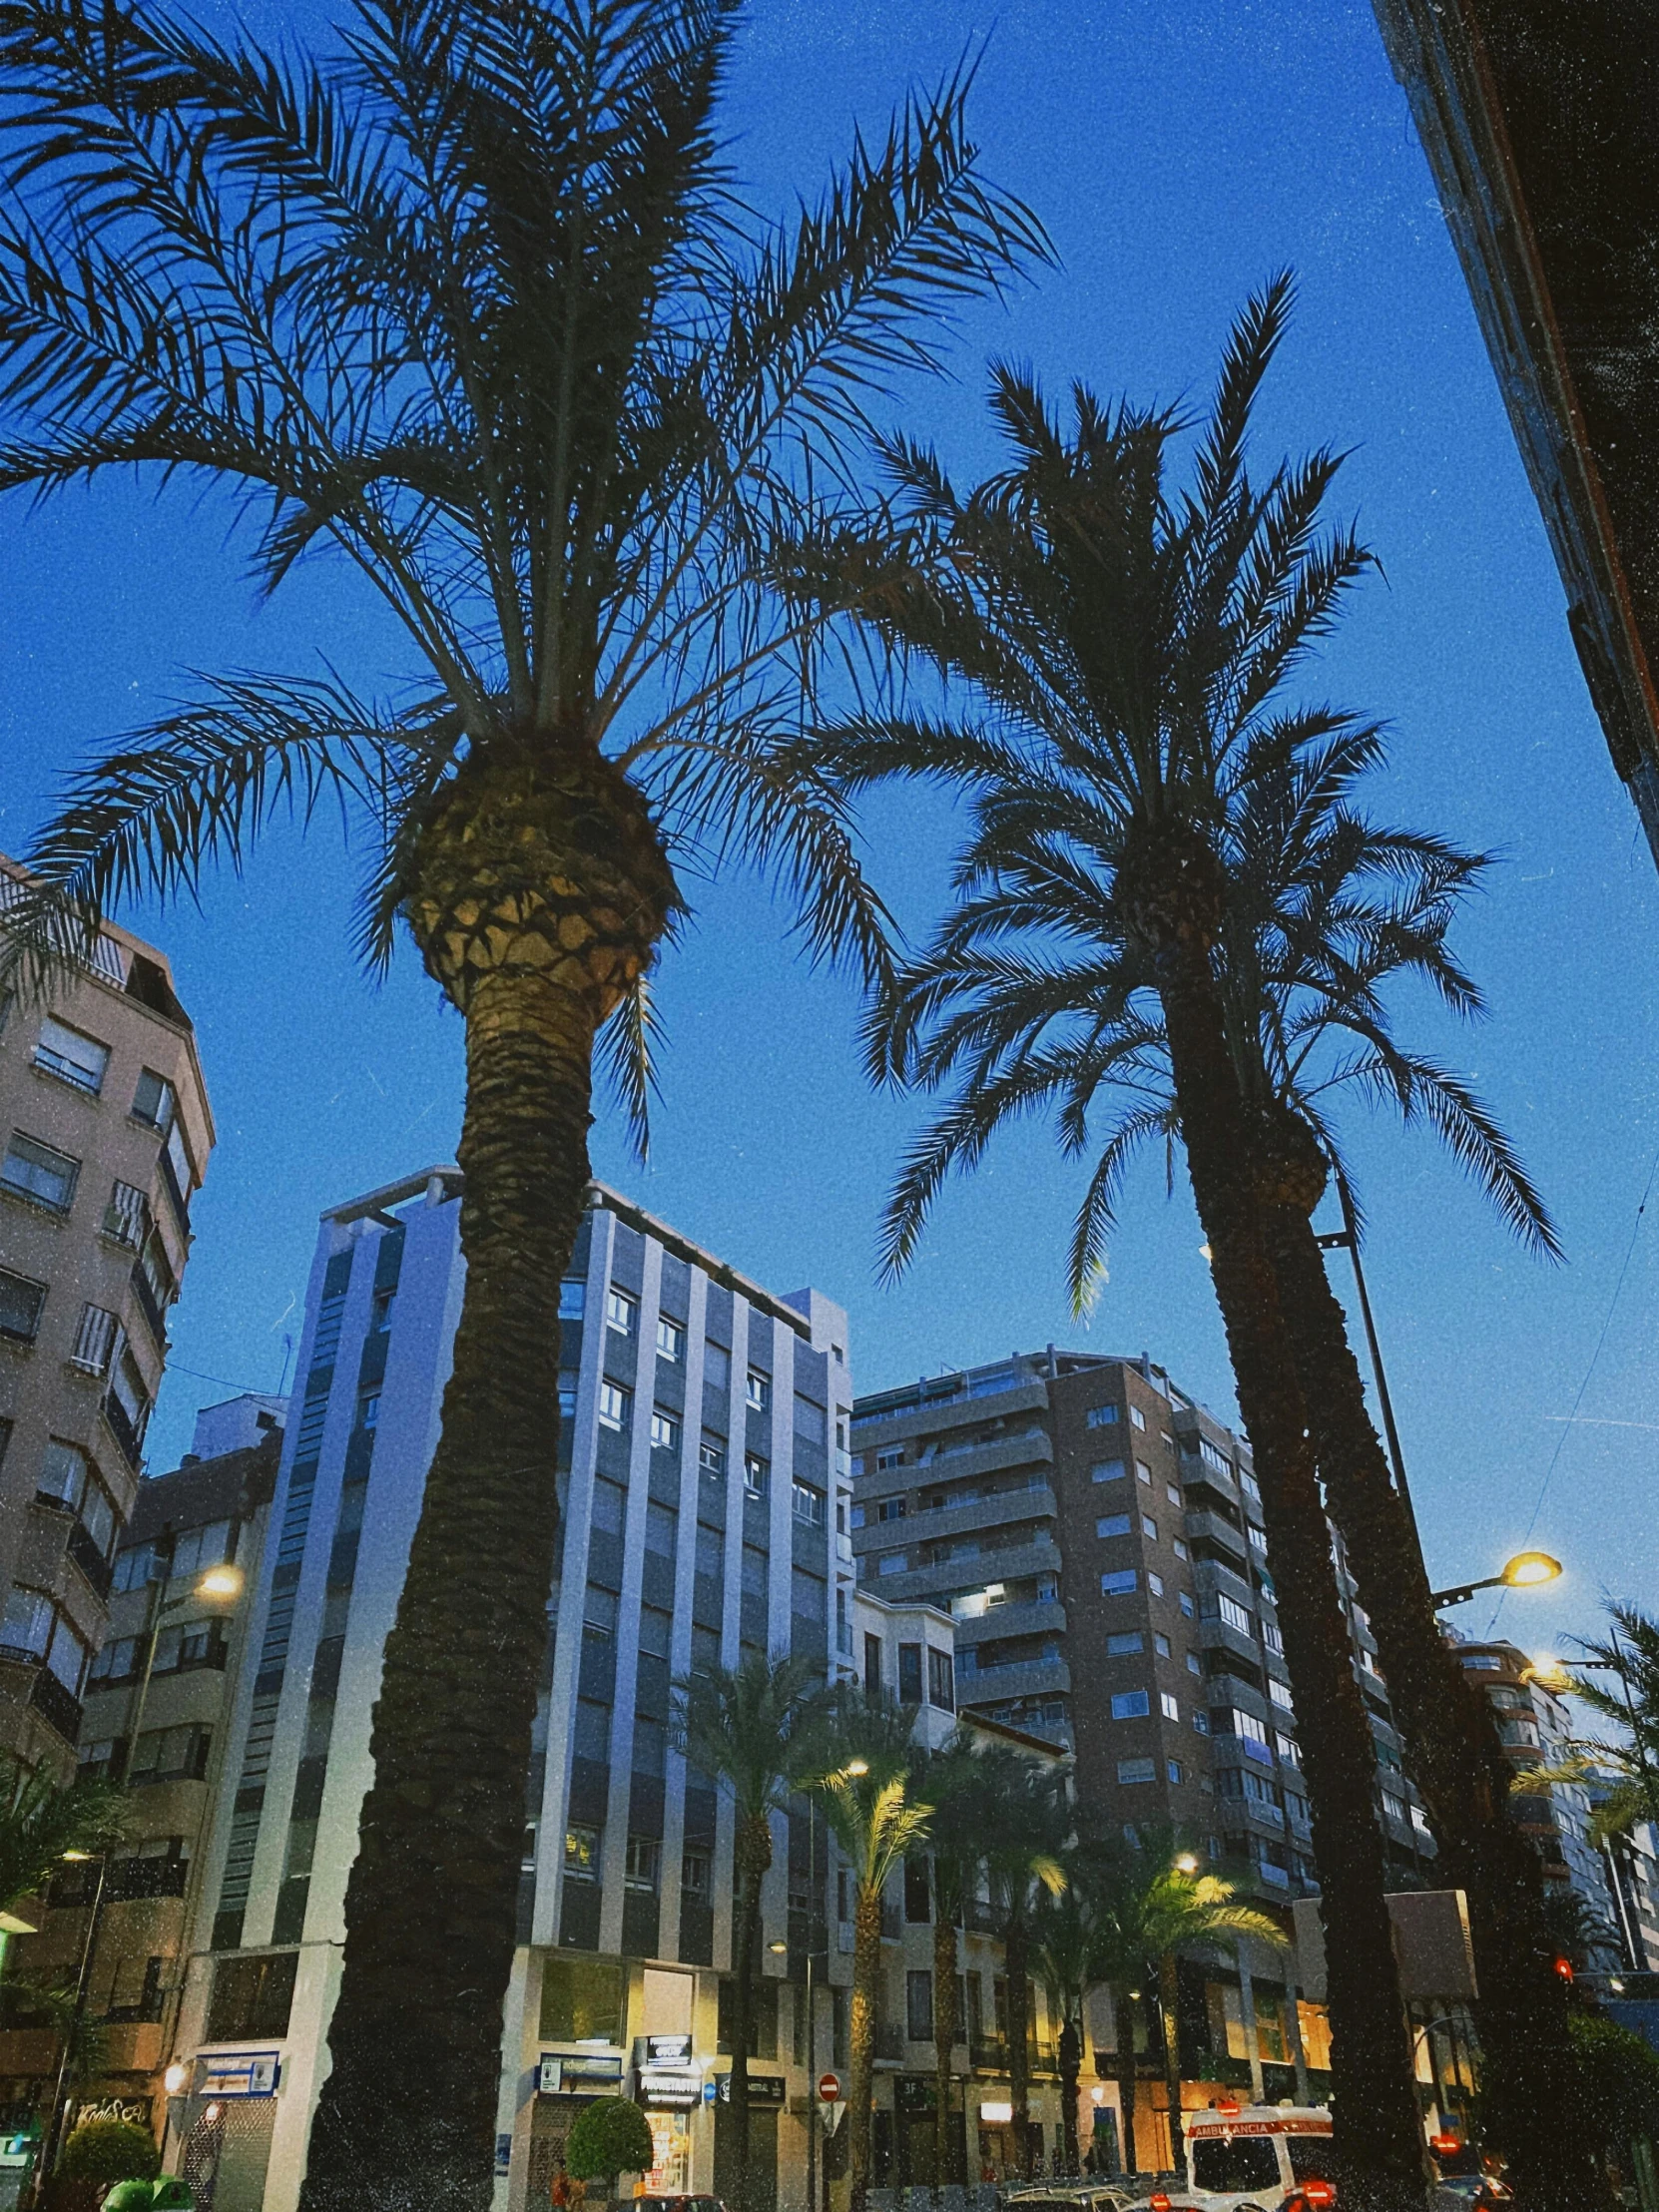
x=56, y=1703
x=91, y=1561
x=122, y=1429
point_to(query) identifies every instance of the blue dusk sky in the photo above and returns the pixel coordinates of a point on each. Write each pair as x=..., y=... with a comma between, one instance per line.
x=1179, y=150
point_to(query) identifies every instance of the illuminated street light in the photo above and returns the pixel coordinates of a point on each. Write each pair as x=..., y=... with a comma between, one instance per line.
x=857, y=1767
x=1186, y=1863
x=1527, y=1570
x=220, y=1582
x=175, y=2077
x=779, y=1950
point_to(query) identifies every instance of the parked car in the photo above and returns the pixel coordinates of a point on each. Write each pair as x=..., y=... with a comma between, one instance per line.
x=1471, y=2193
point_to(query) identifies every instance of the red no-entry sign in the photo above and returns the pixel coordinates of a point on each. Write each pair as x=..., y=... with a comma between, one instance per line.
x=828, y=2087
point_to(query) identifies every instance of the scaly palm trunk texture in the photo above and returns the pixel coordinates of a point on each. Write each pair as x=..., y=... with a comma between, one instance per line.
x=753, y=1859
x=1169, y=2001
x=538, y=901
x=1173, y=886
x=1528, y=2107
x=1016, y=1953
x=946, y=2158
x=1123, y=2016
x=866, y=1981
x=1070, y=2056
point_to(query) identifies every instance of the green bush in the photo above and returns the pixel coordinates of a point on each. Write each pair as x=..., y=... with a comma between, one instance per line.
x=611, y=2136
x=1619, y=2081
x=110, y=2150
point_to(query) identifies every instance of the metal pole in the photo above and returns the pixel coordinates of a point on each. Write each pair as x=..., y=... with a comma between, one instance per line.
x=814, y=1899
x=1396, y=1457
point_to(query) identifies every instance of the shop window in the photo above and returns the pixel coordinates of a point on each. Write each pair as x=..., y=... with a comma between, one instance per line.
x=581, y=1999
x=252, y=1996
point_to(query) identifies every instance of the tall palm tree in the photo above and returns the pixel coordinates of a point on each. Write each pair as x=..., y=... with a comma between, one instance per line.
x=1027, y=1824
x=877, y=1826
x=42, y=1819
x=1031, y=997
x=758, y=1731
x=952, y=1779
x=473, y=306
x=1067, y=1952
x=1128, y=649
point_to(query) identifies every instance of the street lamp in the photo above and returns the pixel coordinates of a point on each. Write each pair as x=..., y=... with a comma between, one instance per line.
x=225, y=1583
x=1186, y=1863
x=1527, y=1570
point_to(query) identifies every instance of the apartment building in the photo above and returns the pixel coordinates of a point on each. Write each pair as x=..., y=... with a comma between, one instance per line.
x=105, y=1132
x=1616, y=1881
x=704, y=1489
x=157, y=1705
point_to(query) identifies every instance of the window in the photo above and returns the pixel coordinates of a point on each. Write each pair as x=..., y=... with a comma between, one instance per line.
x=63, y=1474
x=582, y=2000
x=1478, y=1662
x=199, y=1548
x=170, y=1755
x=1118, y=1584
x=252, y=1996
x=757, y=1392
x=186, y=1644
x=1137, y=1770
x=756, y=1472
x=1234, y=1615
x=1271, y=1636
x=671, y=1339
x=153, y=1101
x=40, y=1173
x=1107, y=1470
x=1279, y=1693
x=1153, y=1583
x=811, y=1422
x=72, y=1057
x=1112, y=1524
x=909, y=1674
x=1249, y=1487
x=1143, y=1474
x=1194, y=1664
x=1172, y=1493
x=581, y=1855
x=1185, y=1600
x=1286, y=1749
x=621, y=1310
x=613, y=1406
x=1176, y=1771
x=665, y=1431
x=134, y=1567
x=20, y=1304
x=711, y=1457
x=808, y=1504
x=567, y=1394
x=889, y=1508
x=98, y=1518
x=942, y=1692
x=573, y=1297
x=1102, y=1417
x=1119, y=1647
x=919, y=2006
x=369, y=1409
x=717, y=1366
x=892, y=1562
x=1130, y=1705
x=1137, y=1417
x=26, y=1623
x=1201, y=1723
x=1168, y=1706
x=694, y=1873
x=1160, y=1644
x=893, y=1456
x=644, y=1865
x=118, y=1660
x=1149, y=1529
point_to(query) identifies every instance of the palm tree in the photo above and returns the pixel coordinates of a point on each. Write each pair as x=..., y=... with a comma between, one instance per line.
x=877, y=1827
x=1026, y=1824
x=42, y=1821
x=951, y=1779
x=472, y=305
x=1066, y=1949
x=1128, y=649
x=759, y=1732
x=1031, y=997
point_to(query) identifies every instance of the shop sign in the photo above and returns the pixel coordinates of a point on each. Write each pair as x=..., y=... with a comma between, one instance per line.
x=763, y=2088
x=667, y=2050
x=915, y=2093
x=239, y=2074
x=132, y=2112
x=672, y=2088
x=580, y=2073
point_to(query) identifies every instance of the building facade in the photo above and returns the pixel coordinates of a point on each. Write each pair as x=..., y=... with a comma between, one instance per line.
x=157, y=1705
x=704, y=1494
x=105, y=1132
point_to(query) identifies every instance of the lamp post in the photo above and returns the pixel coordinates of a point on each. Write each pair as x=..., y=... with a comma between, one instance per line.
x=218, y=1583
x=1527, y=1570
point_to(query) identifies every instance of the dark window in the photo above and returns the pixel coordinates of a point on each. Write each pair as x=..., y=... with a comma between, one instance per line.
x=917, y=1891
x=20, y=1304
x=1246, y=2162
x=909, y=1674
x=252, y=1996
x=873, y=1666
x=940, y=1690
x=919, y=2006
x=153, y=1100
x=581, y=1999
x=39, y=1172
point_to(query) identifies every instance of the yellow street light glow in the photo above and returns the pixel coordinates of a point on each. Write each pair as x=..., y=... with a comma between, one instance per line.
x=857, y=1766
x=1548, y=1672
x=1186, y=1863
x=220, y=1582
x=174, y=2078
x=1527, y=1570
x=779, y=1950
x=75, y=1858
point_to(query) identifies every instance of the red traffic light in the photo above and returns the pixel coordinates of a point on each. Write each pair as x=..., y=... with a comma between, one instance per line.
x=1563, y=1966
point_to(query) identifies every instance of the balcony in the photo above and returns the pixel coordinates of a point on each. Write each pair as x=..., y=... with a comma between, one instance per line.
x=1212, y=1528
x=55, y=1704
x=1217, y=1635
x=149, y=1307
x=1017, y=1564
x=91, y=1561
x=1039, y=1617
x=124, y=1433
x=1032, y=1502
x=1018, y=1678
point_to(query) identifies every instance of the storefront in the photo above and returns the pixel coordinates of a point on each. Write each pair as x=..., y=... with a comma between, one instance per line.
x=565, y=2082
x=669, y=2088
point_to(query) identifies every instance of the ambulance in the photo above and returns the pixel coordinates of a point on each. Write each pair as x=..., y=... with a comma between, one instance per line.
x=1257, y=2157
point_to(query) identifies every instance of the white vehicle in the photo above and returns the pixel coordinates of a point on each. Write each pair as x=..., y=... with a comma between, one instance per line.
x=1251, y=2157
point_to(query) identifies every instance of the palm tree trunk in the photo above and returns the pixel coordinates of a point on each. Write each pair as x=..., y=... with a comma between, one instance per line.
x=1527, y=2104
x=538, y=898
x=1071, y=2066
x=1168, y=1995
x=866, y=1978
x=751, y=1849
x=945, y=2025
x=1379, y=2143
x=1123, y=2014
x=1017, y=1972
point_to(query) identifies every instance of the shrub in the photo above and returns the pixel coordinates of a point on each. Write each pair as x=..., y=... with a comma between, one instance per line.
x=110, y=2150
x=611, y=2136
x=1618, y=2081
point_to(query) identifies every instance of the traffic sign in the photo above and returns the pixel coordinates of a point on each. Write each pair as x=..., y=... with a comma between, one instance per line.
x=828, y=2087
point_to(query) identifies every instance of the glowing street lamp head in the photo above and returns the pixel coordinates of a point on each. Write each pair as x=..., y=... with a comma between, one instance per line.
x=779, y=1950
x=1528, y=1569
x=1186, y=1863
x=76, y=1857
x=857, y=1767
x=175, y=2077
x=220, y=1582
x=1548, y=1672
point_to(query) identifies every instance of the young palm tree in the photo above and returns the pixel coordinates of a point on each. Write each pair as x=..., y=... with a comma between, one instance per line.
x=877, y=1827
x=1027, y=1824
x=43, y=1818
x=952, y=1779
x=473, y=306
x=1129, y=648
x=759, y=1732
